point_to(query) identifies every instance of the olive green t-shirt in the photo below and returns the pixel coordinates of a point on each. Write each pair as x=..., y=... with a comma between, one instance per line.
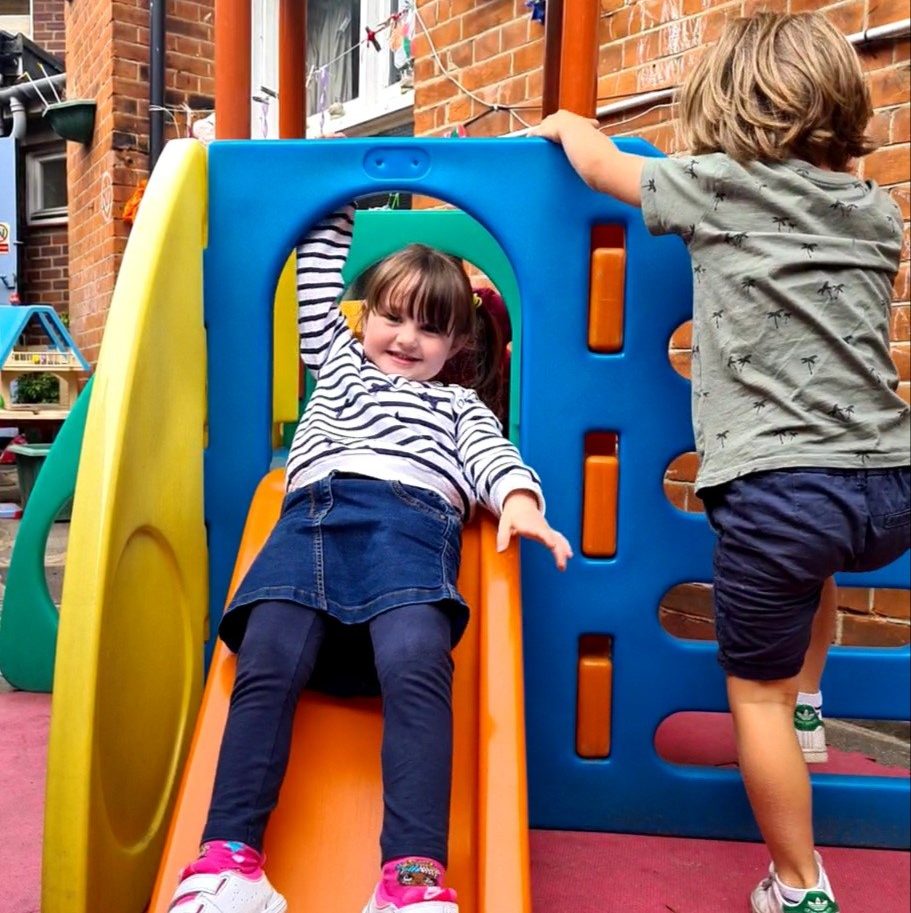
x=792, y=287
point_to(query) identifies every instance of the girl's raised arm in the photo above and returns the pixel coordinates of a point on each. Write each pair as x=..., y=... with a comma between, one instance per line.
x=320, y=260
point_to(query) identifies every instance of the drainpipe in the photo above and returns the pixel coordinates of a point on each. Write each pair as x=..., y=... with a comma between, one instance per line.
x=156, y=79
x=17, y=109
x=30, y=91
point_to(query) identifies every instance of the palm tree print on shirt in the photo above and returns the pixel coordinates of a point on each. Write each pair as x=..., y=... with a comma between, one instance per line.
x=778, y=317
x=844, y=209
x=719, y=197
x=735, y=239
x=748, y=284
x=691, y=169
x=809, y=247
x=759, y=405
x=831, y=292
x=784, y=434
x=717, y=317
x=699, y=272
x=810, y=362
x=842, y=413
x=650, y=186
x=721, y=437
x=785, y=222
x=737, y=362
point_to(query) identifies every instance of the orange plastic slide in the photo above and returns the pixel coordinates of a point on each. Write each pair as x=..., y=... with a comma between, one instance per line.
x=322, y=842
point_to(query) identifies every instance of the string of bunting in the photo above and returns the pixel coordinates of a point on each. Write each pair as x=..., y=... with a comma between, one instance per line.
x=400, y=26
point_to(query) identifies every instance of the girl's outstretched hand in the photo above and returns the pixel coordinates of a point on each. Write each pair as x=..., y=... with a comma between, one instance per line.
x=522, y=516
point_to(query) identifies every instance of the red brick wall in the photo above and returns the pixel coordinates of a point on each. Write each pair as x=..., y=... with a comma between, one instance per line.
x=108, y=59
x=495, y=51
x=492, y=48
x=48, y=28
x=45, y=267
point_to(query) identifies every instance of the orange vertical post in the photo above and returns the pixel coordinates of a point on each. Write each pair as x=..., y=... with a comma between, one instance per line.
x=571, y=56
x=292, y=69
x=233, y=43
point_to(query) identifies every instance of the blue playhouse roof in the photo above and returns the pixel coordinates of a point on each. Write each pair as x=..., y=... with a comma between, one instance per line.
x=15, y=318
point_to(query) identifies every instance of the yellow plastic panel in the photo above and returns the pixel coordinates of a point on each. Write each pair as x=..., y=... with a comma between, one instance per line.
x=286, y=364
x=128, y=673
x=605, y=315
x=594, y=697
x=330, y=807
x=599, y=507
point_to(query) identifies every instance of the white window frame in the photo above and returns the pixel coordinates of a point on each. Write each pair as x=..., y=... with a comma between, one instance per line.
x=20, y=23
x=37, y=213
x=264, y=68
x=379, y=106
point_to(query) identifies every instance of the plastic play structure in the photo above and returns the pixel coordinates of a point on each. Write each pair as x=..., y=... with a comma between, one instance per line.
x=18, y=358
x=28, y=625
x=175, y=495
x=167, y=472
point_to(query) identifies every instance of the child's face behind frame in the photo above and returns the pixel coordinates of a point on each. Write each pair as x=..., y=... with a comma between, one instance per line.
x=397, y=342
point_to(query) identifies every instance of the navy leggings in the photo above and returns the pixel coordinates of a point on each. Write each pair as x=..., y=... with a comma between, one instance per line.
x=411, y=646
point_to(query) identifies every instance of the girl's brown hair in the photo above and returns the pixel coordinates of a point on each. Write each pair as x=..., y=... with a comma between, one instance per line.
x=432, y=288
x=775, y=87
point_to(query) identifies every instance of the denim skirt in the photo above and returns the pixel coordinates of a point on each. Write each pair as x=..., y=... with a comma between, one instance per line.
x=353, y=547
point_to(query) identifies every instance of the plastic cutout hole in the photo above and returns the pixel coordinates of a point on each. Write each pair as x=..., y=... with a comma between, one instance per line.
x=679, y=483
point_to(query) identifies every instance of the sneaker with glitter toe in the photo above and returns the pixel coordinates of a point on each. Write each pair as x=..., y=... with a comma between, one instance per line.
x=226, y=892
x=424, y=899
x=768, y=898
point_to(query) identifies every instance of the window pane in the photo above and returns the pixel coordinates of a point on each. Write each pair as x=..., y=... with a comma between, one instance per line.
x=53, y=180
x=395, y=75
x=14, y=7
x=333, y=30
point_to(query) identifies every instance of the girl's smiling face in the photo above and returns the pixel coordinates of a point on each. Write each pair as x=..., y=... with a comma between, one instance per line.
x=419, y=311
x=399, y=343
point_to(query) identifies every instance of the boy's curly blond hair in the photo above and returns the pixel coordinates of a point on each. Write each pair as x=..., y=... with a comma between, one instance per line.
x=776, y=87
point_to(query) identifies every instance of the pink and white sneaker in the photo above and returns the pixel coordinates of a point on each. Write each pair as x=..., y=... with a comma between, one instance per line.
x=422, y=899
x=226, y=892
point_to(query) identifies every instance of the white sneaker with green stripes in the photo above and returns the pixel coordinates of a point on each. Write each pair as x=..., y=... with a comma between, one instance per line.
x=811, y=733
x=769, y=898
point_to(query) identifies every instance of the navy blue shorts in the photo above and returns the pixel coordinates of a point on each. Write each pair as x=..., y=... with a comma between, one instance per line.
x=781, y=534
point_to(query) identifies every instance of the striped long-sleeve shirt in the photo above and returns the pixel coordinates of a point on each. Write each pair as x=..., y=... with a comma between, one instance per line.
x=432, y=435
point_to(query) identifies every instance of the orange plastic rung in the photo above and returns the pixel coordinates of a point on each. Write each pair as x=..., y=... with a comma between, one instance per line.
x=599, y=506
x=605, y=313
x=594, y=697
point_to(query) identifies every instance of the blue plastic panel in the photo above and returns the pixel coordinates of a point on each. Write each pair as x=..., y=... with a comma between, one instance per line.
x=264, y=195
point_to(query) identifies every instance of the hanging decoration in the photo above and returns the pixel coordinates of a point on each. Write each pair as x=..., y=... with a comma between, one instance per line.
x=131, y=207
x=400, y=27
x=538, y=10
x=400, y=36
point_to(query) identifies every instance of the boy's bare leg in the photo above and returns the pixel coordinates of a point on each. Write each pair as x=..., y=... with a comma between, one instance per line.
x=810, y=676
x=775, y=774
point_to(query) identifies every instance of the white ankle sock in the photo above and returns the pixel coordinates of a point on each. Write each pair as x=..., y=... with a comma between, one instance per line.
x=814, y=699
x=795, y=895
x=791, y=895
